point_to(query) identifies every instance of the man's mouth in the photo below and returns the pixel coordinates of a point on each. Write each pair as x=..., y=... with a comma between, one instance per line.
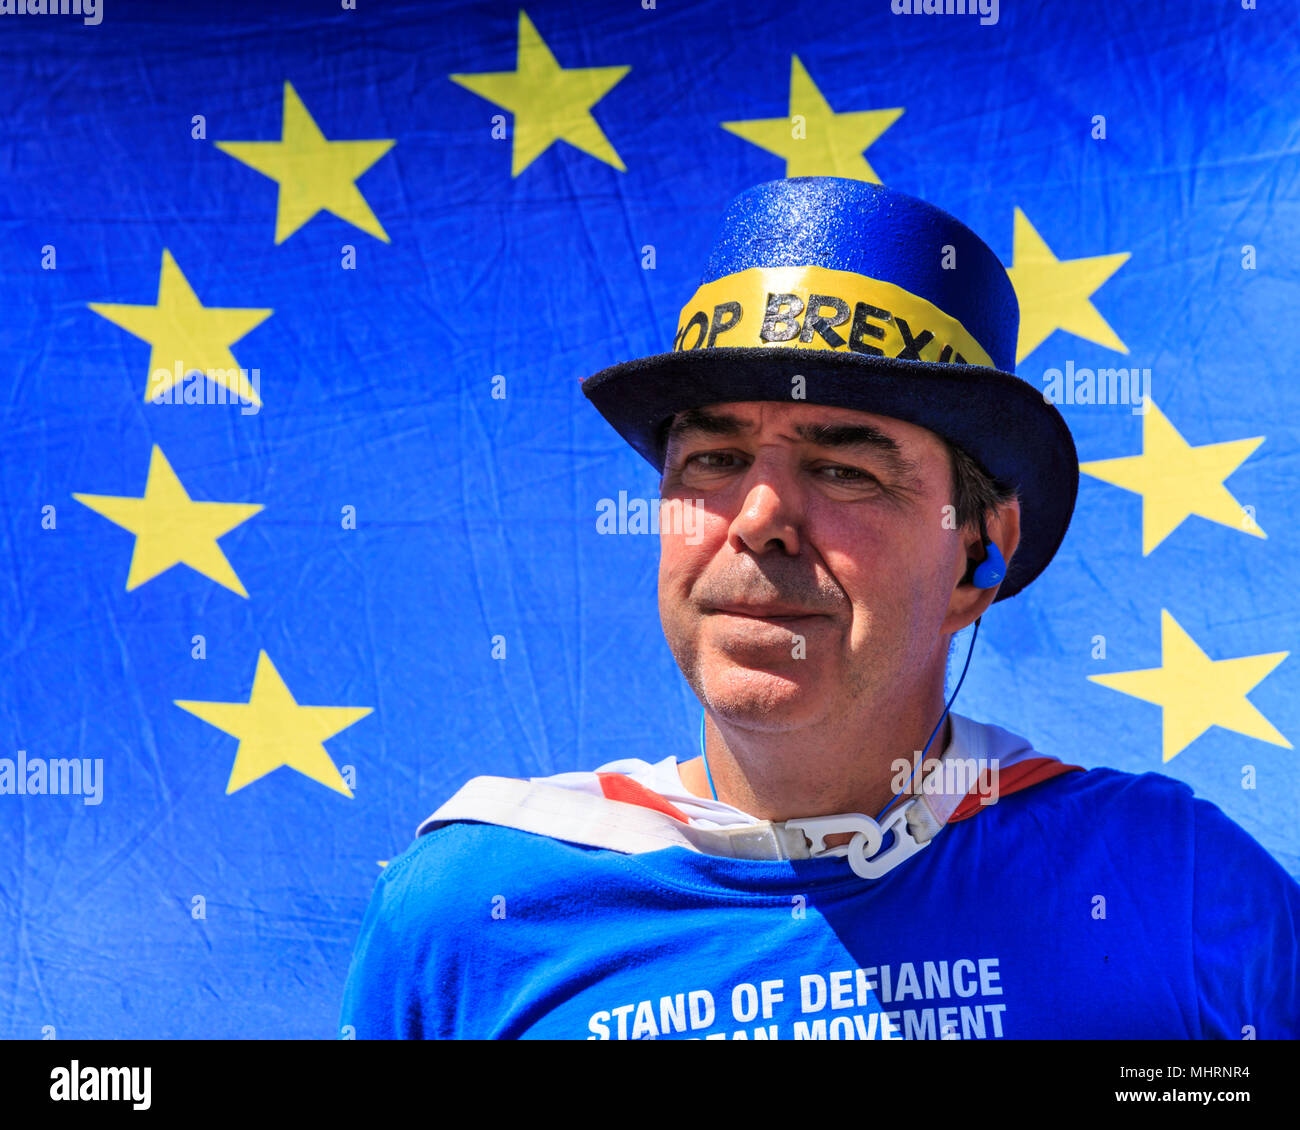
x=778, y=614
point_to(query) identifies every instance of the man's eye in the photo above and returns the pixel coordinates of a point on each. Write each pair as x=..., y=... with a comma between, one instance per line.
x=697, y=460
x=842, y=474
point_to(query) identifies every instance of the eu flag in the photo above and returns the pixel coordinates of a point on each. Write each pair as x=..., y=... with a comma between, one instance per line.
x=301, y=494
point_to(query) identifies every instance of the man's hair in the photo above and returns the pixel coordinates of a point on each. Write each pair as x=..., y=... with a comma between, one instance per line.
x=974, y=491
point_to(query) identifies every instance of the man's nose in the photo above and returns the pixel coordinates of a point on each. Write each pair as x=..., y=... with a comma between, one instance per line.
x=770, y=514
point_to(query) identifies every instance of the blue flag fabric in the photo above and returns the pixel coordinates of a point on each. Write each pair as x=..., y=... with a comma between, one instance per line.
x=260, y=621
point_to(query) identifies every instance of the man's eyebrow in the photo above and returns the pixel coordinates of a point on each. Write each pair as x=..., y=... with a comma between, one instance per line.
x=695, y=421
x=861, y=437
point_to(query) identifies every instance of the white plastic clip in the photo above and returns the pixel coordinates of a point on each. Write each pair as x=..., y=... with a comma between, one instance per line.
x=817, y=828
x=905, y=846
x=867, y=838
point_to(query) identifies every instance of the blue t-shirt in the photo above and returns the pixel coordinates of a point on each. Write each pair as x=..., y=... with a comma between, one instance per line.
x=1096, y=905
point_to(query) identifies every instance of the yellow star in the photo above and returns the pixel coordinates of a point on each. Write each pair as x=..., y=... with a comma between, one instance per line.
x=273, y=730
x=1198, y=692
x=549, y=103
x=823, y=143
x=314, y=175
x=1054, y=294
x=171, y=529
x=1177, y=480
x=186, y=335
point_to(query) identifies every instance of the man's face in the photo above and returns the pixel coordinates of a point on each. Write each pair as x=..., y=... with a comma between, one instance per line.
x=815, y=577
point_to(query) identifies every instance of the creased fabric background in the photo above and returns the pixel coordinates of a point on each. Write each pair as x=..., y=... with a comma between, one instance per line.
x=475, y=516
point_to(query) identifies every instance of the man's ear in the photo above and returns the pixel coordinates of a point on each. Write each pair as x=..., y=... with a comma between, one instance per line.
x=967, y=602
x=1003, y=526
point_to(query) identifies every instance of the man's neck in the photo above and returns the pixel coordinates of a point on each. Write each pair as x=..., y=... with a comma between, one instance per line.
x=772, y=778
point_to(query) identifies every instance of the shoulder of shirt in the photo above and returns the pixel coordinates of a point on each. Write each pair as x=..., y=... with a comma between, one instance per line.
x=440, y=895
x=1106, y=793
x=469, y=863
x=1153, y=800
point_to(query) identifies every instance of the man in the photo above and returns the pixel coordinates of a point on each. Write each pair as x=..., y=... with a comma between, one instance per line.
x=851, y=474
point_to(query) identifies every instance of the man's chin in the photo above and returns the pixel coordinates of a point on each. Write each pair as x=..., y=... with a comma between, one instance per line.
x=764, y=698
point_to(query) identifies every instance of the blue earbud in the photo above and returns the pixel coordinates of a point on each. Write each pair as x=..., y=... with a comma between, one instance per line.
x=990, y=571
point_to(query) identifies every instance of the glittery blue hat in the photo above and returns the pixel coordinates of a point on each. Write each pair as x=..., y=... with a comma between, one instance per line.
x=882, y=303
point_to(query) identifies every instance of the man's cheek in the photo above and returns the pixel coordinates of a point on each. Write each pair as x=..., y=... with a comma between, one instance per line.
x=696, y=520
x=677, y=574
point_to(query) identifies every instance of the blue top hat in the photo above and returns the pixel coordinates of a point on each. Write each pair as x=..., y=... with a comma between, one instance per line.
x=883, y=303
